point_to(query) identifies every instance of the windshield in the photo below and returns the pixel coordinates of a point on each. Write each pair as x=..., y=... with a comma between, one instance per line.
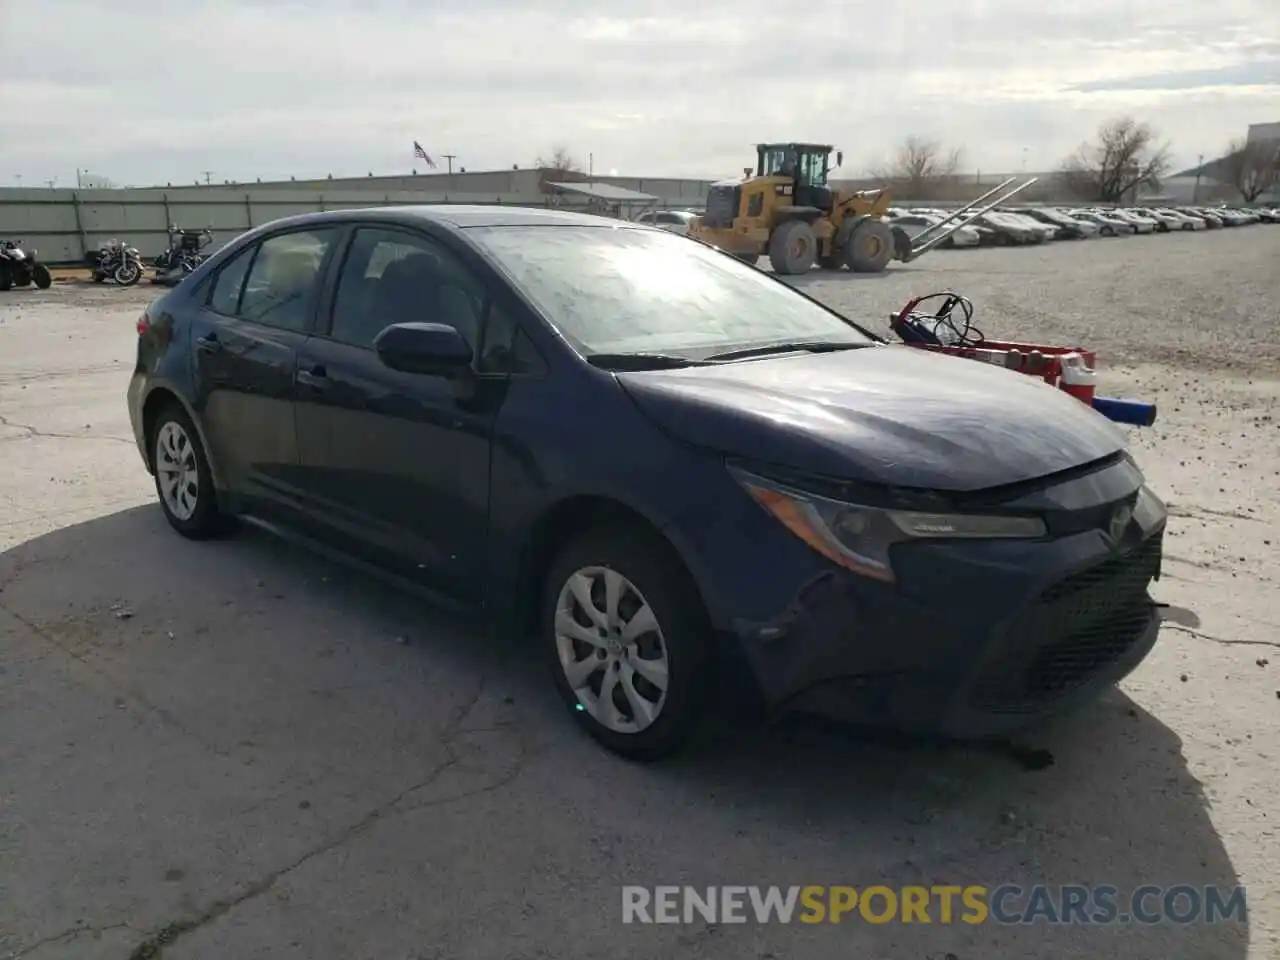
x=624, y=290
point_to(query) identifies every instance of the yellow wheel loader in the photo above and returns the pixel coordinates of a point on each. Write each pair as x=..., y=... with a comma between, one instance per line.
x=788, y=212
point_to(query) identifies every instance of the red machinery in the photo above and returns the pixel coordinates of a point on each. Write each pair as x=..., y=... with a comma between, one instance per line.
x=1069, y=368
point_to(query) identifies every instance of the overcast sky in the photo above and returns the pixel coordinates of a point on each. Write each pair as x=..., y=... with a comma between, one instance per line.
x=154, y=92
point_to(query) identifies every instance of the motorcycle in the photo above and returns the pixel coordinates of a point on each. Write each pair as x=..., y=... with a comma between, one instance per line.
x=116, y=261
x=185, y=253
x=20, y=268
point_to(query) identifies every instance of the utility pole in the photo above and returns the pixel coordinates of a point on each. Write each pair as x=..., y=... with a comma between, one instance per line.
x=591, y=167
x=52, y=183
x=207, y=175
x=1195, y=192
x=448, y=159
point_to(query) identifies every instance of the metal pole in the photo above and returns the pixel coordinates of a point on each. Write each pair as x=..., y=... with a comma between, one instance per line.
x=1195, y=193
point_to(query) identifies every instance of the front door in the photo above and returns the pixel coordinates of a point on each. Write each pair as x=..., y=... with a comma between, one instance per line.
x=396, y=464
x=245, y=343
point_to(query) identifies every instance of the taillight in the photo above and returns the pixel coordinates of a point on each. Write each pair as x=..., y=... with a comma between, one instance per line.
x=144, y=324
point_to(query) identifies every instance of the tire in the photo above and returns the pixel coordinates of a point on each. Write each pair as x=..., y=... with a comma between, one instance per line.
x=647, y=572
x=1107, y=232
x=6, y=277
x=870, y=247
x=792, y=248
x=127, y=274
x=99, y=276
x=43, y=279
x=175, y=442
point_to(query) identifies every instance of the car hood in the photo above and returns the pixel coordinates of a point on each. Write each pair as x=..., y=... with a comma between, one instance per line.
x=892, y=415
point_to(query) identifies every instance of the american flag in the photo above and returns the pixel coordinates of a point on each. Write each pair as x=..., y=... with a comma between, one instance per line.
x=419, y=152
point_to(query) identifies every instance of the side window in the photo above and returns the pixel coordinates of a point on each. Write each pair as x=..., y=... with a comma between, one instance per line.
x=391, y=276
x=225, y=298
x=507, y=348
x=281, y=287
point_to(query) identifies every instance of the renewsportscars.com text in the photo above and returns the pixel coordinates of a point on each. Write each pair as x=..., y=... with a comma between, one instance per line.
x=1006, y=904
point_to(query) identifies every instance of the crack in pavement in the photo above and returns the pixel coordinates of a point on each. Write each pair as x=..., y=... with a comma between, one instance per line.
x=152, y=948
x=1191, y=510
x=18, y=379
x=74, y=933
x=1216, y=567
x=117, y=683
x=46, y=435
x=1169, y=625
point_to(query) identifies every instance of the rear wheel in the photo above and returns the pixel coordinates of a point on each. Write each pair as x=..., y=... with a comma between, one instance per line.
x=184, y=481
x=6, y=277
x=128, y=273
x=792, y=247
x=624, y=633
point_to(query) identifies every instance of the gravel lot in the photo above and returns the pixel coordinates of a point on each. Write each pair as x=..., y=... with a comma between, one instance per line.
x=239, y=749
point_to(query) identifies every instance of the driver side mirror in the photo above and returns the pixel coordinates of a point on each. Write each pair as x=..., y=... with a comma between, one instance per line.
x=839, y=158
x=434, y=349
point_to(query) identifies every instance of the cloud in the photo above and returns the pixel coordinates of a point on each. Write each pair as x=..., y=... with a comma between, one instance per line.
x=1264, y=73
x=250, y=88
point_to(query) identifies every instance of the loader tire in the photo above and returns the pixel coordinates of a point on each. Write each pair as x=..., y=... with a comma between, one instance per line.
x=870, y=247
x=792, y=248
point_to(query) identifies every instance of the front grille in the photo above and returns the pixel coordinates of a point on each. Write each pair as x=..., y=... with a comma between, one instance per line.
x=1072, y=631
x=722, y=205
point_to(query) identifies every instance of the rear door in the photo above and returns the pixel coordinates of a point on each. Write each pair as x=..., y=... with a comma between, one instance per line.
x=245, y=339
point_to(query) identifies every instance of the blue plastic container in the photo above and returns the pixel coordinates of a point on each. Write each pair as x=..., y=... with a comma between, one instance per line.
x=1137, y=413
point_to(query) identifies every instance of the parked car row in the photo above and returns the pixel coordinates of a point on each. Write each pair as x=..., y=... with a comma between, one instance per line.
x=1023, y=225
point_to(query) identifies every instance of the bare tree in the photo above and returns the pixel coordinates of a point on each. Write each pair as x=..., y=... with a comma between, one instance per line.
x=558, y=167
x=559, y=161
x=1253, y=168
x=919, y=167
x=1125, y=157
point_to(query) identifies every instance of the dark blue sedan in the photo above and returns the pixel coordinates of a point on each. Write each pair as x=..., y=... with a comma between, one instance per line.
x=664, y=464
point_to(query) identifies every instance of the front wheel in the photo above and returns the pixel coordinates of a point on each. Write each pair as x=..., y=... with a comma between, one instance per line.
x=128, y=273
x=6, y=277
x=870, y=247
x=184, y=481
x=625, y=635
x=40, y=274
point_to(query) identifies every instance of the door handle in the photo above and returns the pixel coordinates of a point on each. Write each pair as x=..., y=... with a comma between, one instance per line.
x=314, y=376
x=209, y=343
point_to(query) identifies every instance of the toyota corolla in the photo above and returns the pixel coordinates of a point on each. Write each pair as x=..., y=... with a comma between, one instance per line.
x=658, y=463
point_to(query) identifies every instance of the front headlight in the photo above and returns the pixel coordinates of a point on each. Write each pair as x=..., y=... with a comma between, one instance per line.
x=858, y=537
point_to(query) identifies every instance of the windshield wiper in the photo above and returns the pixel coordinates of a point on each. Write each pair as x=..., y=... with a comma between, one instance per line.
x=640, y=361
x=792, y=346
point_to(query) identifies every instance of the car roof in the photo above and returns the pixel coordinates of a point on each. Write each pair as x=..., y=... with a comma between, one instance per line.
x=457, y=215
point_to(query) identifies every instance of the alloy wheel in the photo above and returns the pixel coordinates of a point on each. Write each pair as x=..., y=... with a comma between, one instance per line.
x=611, y=649
x=177, y=471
